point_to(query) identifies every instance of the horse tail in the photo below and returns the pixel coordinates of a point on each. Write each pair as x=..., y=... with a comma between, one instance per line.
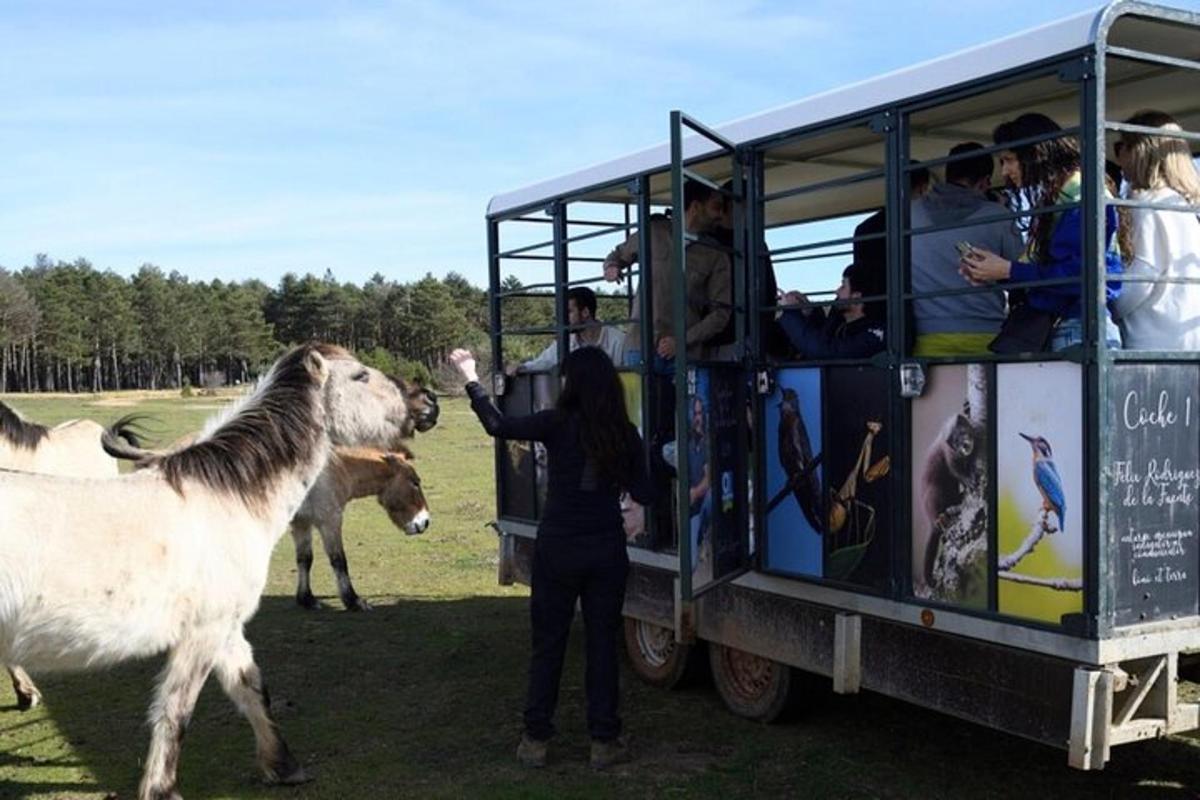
x=123, y=440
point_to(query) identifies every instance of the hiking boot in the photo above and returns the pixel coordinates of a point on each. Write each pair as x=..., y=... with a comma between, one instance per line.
x=531, y=752
x=607, y=754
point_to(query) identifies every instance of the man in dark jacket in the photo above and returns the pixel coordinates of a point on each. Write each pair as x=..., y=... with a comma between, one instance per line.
x=853, y=330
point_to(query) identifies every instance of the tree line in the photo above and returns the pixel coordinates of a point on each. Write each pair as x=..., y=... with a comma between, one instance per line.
x=68, y=326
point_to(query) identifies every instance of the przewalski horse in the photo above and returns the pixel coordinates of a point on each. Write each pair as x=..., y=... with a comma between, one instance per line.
x=349, y=476
x=70, y=449
x=353, y=473
x=174, y=557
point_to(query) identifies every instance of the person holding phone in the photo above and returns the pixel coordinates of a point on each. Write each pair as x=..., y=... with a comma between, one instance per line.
x=958, y=324
x=1045, y=174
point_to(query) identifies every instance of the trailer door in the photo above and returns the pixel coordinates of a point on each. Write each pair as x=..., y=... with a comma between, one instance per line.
x=711, y=394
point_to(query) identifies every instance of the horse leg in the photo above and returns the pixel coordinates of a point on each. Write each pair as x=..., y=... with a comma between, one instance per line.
x=179, y=685
x=302, y=536
x=243, y=682
x=331, y=537
x=27, y=692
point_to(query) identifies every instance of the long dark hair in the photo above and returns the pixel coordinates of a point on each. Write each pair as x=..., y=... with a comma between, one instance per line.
x=1046, y=166
x=593, y=392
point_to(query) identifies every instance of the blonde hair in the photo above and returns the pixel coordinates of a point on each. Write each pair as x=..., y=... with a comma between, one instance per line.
x=1158, y=161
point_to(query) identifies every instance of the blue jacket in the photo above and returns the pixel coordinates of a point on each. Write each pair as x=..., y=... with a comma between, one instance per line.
x=1065, y=260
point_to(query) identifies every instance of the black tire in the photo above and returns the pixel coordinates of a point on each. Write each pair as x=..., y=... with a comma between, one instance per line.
x=654, y=655
x=753, y=687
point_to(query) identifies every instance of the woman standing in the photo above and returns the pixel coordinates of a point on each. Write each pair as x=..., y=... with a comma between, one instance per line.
x=1158, y=314
x=1046, y=173
x=594, y=453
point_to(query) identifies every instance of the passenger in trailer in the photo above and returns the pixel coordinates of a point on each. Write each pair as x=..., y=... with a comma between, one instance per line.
x=579, y=554
x=1159, y=315
x=873, y=252
x=853, y=330
x=1041, y=175
x=962, y=324
x=775, y=343
x=709, y=278
x=581, y=311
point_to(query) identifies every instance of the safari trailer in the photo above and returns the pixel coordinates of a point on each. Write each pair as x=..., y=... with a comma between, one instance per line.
x=900, y=545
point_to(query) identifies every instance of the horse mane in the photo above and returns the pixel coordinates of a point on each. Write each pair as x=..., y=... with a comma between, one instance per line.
x=268, y=432
x=18, y=432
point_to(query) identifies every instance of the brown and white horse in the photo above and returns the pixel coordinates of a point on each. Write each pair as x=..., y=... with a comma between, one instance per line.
x=353, y=473
x=350, y=474
x=71, y=449
x=174, y=557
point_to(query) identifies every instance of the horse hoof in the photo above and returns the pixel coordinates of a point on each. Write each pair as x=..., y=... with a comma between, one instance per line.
x=297, y=777
x=358, y=604
x=308, y=602
x=28, y=701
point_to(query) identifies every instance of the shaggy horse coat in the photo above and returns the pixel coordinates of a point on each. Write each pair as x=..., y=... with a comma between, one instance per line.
x=174, y=557
x=71, y=449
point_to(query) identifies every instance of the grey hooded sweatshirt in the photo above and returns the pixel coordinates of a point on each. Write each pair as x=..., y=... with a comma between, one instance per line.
x=935, y=259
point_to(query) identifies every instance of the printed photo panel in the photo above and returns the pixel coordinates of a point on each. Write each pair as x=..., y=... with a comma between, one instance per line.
x=794, y=480
x=858, y=465
x=950, y=519
x=723, y=548
x=1039, y=490
x=698, y=516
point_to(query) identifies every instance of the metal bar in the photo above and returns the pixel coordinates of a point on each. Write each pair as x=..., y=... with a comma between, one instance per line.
x=536, y=331
x=690, y=175
x=995, y=148
x=679, y=331
x=991, y=287
x=896, y=145
x=561, y=276
x=1006, y=216
x=645, y=331
x=1098, y=550
x=1130, y=203
x=526, y=258
x=496, y=344
x=817, y=257
x=613, y=227
x=1151, y=58
x=528, y=289
x=1124, y=127
x=833, y=183
x=703, y=130
x=827, y=243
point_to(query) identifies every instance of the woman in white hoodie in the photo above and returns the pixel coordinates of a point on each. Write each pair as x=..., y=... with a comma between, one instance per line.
x=1159, y=314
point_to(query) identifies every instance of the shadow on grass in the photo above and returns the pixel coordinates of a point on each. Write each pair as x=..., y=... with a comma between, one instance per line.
x=423, y=698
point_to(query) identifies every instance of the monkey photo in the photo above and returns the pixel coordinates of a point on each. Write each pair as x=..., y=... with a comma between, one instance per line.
x=948, y=473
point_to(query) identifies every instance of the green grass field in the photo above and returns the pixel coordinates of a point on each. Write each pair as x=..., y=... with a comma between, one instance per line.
x=422, y=697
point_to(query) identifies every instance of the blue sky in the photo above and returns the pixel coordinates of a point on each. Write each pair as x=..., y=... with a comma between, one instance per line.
x=248, y=139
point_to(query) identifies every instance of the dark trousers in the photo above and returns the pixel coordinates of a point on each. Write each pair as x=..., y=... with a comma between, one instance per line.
x=592, y=569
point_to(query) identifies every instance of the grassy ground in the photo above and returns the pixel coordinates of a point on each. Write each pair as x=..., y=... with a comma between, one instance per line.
x=422, y=697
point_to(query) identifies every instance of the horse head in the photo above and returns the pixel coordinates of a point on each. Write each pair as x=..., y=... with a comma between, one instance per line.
x=401, y=497
x=422, y=403
x=366, y=406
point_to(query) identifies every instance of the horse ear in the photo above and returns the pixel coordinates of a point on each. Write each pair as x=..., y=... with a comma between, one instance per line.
x=390, y=459
x=316, y=365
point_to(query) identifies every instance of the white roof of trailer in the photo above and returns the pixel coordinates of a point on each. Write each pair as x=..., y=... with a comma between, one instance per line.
x=1027, y=47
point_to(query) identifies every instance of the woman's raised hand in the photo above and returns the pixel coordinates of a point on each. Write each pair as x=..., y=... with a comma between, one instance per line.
x=464, y=362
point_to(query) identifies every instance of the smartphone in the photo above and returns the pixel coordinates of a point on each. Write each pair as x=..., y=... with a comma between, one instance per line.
x=964, y=249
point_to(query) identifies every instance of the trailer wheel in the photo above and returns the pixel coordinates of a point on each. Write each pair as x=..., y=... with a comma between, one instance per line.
x=654, y=654
x=753, y=687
